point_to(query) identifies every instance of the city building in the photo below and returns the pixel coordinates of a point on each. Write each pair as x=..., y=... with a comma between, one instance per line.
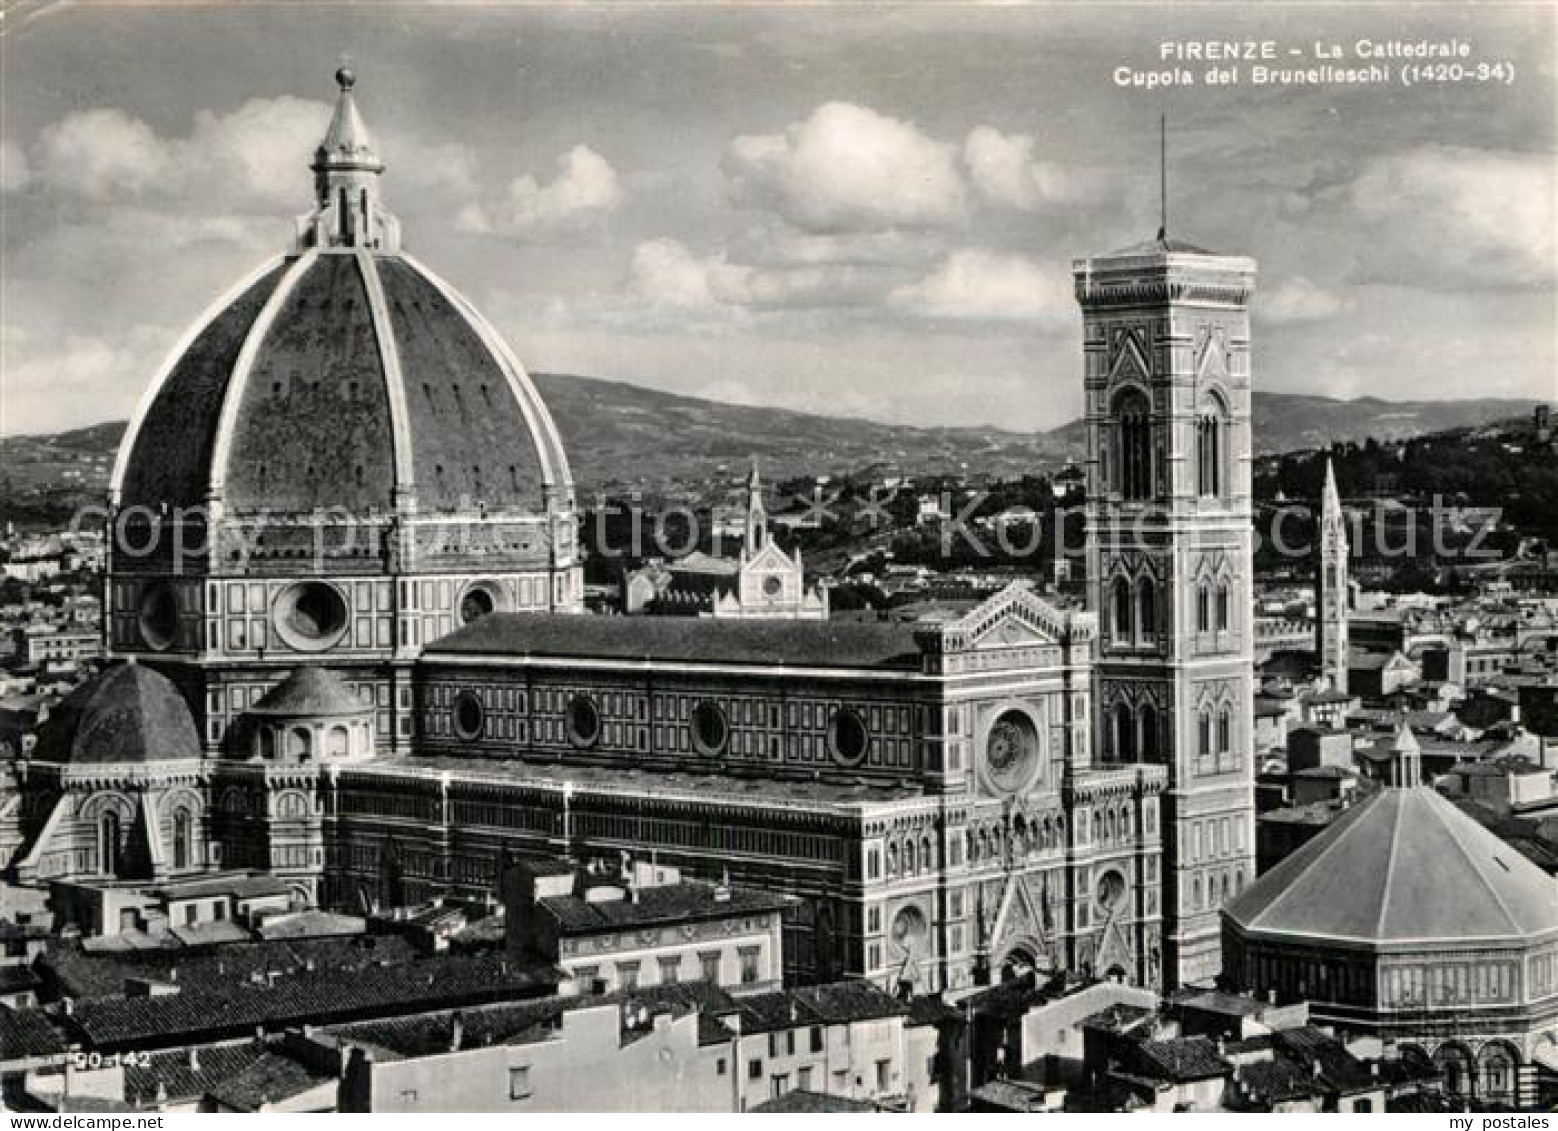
x=376, y=684
x=1409, y=920
x=1169, y=561
x=1331, y=588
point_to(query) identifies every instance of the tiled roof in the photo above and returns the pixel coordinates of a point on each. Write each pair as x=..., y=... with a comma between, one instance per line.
x=15, y=979
x=83, y=975
x=1407, y=866
x=310, y=692
x=667, y=903
x=511, y=1023
x=703, y=640
x=1185, y=1059
x=317, y=997
x=127, y=713
x=182, y=1075
x=29, y=1033
x=270, y=1079
x=840, y=1002
x=801, y=1102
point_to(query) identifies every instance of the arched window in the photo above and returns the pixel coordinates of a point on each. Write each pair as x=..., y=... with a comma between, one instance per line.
x=1147, y=608
x=1122, y=609
x=337, y=742
x=1224, y=731
x=300, y=743
x=1203, y=608
x=1098, y=828
x=1109, y=827
x=1195, y=894
x=1124, y=734
x=892, y=859
x=1147, y=719
x=1204, y=733
x=1222, y=607
x=1132, y=417
x=1209, y=451
x=182, y=838
x=927, y=854
x=908, y=858
x=108, y=842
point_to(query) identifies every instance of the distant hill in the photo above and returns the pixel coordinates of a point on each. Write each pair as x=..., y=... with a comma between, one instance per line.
x=622, y=436
x=1290, y=422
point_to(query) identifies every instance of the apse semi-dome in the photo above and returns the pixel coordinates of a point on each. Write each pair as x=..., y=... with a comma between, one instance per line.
x=341, y=461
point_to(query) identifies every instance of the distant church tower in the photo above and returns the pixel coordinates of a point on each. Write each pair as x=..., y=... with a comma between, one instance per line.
x=1331, y=646
x=1167, y=374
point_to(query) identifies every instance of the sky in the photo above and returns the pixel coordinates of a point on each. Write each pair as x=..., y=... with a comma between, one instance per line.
x=862, y=210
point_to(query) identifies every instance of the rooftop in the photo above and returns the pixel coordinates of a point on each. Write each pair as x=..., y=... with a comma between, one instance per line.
x=1402, y=867
x=310, y=692
x=682, y=902
x=701, y=640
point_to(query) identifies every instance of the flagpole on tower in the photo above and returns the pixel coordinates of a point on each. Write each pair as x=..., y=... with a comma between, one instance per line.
x=1162, y=177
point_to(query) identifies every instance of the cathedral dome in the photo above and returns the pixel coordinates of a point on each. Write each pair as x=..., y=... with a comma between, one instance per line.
x=344, y=376
x=127, y=714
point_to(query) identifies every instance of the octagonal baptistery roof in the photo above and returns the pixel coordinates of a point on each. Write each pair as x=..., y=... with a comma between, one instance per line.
x=343, y=377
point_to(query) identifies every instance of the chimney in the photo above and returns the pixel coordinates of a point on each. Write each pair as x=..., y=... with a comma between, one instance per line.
x=194, y=1060
x=456, y=1032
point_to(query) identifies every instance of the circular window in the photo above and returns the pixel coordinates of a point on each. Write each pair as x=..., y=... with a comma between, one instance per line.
x=310, y=615
x=710, y=731
x=468, y=715
x=159, y=616
x=477, y=602
x=583, y=721
x=773, y=586
x=1111, y=889
x=1011, y=752
x=910, y=930
x=848, y=737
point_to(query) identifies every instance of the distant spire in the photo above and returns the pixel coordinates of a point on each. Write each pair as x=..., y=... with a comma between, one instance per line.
x=1330, y=499
x=757, y=515
x=1163, y=178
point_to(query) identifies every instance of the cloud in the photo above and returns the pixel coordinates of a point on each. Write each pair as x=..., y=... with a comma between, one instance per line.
x=15, y=169
x=973, y=284
x=1003, y=169
x=252, y=159
x=664, y=272
x=1299, y=300
x=48, y=378
x=100, y=154
x=1441, y=217
x=847, y=168
x=585, y=190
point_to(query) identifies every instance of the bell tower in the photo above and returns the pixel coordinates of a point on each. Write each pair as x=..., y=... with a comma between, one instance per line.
x=1331, y=642
x=1167, y=376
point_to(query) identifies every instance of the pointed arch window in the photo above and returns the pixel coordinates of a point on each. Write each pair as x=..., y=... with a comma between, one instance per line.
x=1148, y=719
x=1124, y=734
x=1133, y=451
x=1204, y=733
x=1147, y=608
x=1222, y=607
x=1122, y=610
x=1211, y=429
x=1224, y=731
x=1203, y=608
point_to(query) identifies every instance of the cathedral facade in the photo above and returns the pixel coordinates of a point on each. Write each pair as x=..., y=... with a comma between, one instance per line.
x=391, y=687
